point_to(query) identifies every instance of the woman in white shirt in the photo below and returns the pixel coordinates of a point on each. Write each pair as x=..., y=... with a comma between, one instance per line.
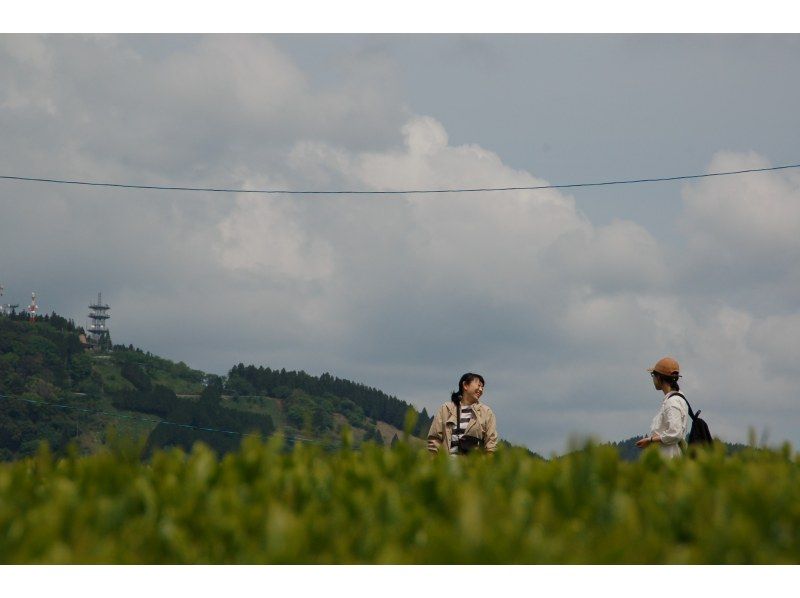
x=671, y=424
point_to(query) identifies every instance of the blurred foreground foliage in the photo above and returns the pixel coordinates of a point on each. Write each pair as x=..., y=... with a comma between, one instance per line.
x=264, y=504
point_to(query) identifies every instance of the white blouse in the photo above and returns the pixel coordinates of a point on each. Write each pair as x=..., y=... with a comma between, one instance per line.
x=671, y=423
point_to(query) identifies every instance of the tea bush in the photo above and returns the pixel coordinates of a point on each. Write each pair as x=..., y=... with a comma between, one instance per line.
x=263, y=504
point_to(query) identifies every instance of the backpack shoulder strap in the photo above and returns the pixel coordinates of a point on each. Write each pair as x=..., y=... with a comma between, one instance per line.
x=691, y=413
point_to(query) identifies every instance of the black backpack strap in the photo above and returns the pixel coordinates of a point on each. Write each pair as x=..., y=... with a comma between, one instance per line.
x=691, y=413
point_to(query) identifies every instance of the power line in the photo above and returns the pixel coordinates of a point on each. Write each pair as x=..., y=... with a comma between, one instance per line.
x=145, y=419
x=396, y=192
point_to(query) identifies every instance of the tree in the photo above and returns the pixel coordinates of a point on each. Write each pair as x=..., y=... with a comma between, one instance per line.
x=212, y=393
x=134, y=374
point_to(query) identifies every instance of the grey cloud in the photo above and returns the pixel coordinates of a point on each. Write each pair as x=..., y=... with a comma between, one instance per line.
x=220, y=102
x=560, y=312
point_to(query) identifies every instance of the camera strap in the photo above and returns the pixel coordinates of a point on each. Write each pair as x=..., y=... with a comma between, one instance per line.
x=458, y=429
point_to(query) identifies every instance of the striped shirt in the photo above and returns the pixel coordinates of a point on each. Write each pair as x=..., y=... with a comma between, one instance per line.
x=467, y=414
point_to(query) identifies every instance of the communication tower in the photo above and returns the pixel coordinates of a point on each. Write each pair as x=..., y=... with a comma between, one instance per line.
x=7, y=308
x=33, y=308
x=99, y=336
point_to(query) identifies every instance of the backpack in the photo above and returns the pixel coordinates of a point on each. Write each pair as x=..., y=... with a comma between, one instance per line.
x=699, y=433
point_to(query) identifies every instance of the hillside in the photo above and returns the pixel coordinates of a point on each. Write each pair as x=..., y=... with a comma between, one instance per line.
x=54, y=390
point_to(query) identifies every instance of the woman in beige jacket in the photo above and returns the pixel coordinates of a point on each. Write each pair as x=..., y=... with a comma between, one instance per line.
x=464, y=423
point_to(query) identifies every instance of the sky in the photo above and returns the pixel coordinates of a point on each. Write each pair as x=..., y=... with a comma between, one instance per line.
x=560, y=298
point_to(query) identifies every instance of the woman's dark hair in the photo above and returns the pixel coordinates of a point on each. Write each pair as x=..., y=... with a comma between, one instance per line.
x=465, y=379
x=672, y=380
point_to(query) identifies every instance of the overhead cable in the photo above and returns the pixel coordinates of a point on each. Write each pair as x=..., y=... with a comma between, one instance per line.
x=390, y=192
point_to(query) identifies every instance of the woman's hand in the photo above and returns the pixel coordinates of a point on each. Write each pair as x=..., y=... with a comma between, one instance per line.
x=644, y=442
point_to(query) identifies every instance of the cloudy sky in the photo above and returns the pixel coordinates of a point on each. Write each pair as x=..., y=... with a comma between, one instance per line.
x=561, y=299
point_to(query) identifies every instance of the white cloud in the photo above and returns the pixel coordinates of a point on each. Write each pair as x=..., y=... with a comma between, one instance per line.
x=265, y=237
x=745, y=222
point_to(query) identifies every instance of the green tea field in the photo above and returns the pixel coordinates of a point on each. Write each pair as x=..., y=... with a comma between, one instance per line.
x=380, y=505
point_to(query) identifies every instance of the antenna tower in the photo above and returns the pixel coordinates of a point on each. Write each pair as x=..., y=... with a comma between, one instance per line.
x=33, y=308
x=7, y=308
x=99, y=336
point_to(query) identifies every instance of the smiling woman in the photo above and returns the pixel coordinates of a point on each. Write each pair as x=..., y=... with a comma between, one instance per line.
x=464, y=424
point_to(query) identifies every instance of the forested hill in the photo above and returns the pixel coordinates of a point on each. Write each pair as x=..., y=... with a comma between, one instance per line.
x=374, y=403
x=52, y=389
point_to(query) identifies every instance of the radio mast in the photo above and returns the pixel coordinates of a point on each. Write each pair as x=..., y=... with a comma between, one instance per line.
x=33, y=308
x=7, y=309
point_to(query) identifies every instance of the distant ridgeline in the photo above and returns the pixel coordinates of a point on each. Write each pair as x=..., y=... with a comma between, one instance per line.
x=353, y=398
x=628, y=451
x=54, y=390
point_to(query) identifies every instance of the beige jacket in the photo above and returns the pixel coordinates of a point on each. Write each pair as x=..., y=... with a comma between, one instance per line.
x=482, y=426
